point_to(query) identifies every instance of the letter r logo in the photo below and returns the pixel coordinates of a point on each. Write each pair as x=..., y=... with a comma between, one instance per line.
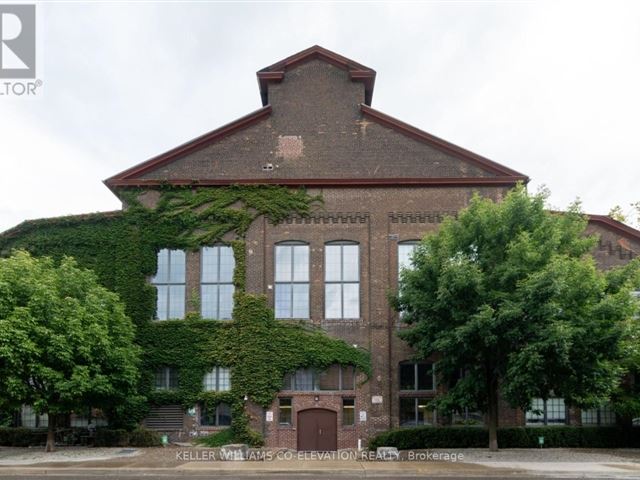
x=17, y=41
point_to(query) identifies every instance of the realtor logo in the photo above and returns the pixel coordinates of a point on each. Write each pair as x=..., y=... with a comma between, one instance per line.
x=17, y=41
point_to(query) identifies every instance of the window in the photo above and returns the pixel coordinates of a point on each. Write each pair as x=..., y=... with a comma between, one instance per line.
x=170, y=284
x=551, y=412
x=405, y=250
x=467, y=417
x=417, y=376
x=598, y=416
x=292, y=280
x=217, y=380
x=216, y=282
x=335, y=377
x=166, y=379
x=284, y=411
x=415, y=411
x=348, y=411
x=30, y=419
x=342, y=280
x=220, y=416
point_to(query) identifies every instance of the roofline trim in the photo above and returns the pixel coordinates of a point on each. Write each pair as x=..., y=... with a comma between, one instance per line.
x=330, y=182
x=439, y=143
x=190, y=146
x=619, y=227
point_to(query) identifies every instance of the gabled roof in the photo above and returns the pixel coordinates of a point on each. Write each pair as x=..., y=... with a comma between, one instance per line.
x=277, y=71
x=618, y=227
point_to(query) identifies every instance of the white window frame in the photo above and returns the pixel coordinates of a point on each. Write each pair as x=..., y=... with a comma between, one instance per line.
x=342, y=282
x=217, y=249
x=216, y=372
x=292, y=282
x=169, y=283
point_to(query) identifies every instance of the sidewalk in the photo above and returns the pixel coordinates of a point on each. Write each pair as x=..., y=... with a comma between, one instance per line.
x=476, y=462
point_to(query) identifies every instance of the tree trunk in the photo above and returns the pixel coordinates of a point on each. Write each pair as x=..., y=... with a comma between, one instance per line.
x=51, y=434
x=492, y=387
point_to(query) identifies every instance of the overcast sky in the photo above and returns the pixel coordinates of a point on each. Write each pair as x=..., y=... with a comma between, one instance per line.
x=549, y=89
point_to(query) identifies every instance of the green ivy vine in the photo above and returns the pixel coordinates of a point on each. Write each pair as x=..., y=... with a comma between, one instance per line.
x=121, y=247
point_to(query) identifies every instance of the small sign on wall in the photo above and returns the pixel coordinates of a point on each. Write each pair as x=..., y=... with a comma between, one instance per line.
x=376, y=399
x=363, y=416
x=269, y=416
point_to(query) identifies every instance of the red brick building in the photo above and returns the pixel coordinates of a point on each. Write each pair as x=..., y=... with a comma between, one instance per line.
x=385, y=185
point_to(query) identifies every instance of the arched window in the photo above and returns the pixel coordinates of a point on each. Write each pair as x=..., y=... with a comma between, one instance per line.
x=216, y=282
x=170, y=284
x=342, y=280
x=292, y=280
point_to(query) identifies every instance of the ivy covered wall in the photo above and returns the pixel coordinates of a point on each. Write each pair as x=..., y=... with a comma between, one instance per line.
x=121, y=247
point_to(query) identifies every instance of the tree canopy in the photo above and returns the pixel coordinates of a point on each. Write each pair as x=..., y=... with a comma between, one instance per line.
x=510, y=298
x=65, y=341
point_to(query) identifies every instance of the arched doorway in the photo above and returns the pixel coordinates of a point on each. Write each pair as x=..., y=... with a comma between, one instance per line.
x=317, y=430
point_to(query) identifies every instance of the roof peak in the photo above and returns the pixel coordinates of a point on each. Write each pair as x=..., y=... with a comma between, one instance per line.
x=276, y=72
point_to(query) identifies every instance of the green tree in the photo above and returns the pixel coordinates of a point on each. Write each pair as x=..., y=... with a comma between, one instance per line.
x=510, y=298
x=65, y=341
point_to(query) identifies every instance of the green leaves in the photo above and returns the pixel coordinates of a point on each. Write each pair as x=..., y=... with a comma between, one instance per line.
x=65, y=341
x=507, y=291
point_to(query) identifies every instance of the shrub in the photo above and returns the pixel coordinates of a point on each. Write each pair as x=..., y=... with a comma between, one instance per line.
x=106, y=437
x=512, y=437
x=22, y=437
x=142, y=437
x=217, y=439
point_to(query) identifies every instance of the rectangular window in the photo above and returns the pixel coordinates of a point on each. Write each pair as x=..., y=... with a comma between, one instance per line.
x=417, y=376
x=292, y=281
x=30, y=419
x=415, y=411
x=220, y=416
x=166, y=378
x=348, y=411
x=405, y=251
x=342, y=281
x=217, y=380
x=170, y=284
x=551, y=412
x=284, y=411
x=216, y=282
x=336, y=378
x=598, y=416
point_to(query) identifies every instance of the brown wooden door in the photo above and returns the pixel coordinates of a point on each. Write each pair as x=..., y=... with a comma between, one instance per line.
x=317, y=430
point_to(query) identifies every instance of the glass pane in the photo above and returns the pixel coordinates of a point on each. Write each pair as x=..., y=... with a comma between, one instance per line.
x=161, y=303
x=348, y=411
x=287, y=383
x=209, y=262
x=351, y=296
x=405, y=250
x=332, y=301
x=209, y=301
x=209, y=382
x=407, y=376
x=224, y=414
x=227, y=264
x=162, y=274
x=330, y=378
x=424, y=413
x=590, y=416
x=160, y=379
x=425, y=376
x=350, y=271
x=176, y=301
x=284, y=413
x=28, y=417
x=407, y=412
x=301, y=263
x=207, y=417
x=348, y=378
x=534, y=418
x=304, y=380
x=177, y=266
x=300, y=301
x=332, y=265
x=226, y=301
x=224, y=379
x=607, y=415
x=283, y=300
x=43, y=420
x=283, y=263
x=555, y=411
